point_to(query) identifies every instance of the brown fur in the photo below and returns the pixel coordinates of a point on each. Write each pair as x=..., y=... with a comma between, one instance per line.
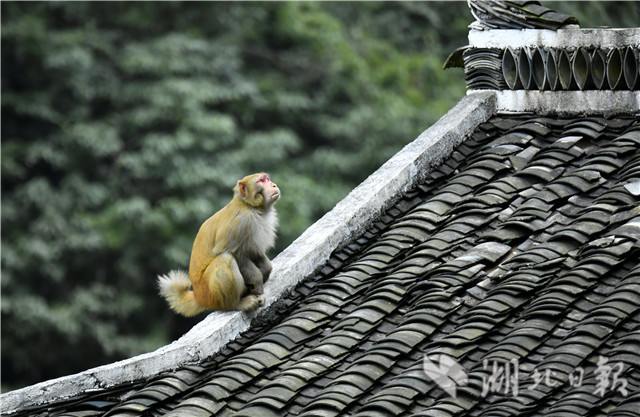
x=228, y=261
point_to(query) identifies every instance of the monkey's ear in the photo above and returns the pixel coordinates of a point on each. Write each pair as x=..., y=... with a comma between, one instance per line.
x=242, y=187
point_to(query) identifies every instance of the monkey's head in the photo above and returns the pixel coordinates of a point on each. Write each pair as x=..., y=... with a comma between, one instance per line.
x=258, y=191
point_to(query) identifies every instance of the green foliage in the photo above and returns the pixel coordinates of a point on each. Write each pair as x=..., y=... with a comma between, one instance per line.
x=125, y=125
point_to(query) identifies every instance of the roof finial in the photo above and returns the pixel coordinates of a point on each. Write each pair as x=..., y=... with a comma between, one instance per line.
x=516, y=14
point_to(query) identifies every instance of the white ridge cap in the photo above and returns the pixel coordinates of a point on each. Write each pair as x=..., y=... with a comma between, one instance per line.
x=567, y=102
x=571, y=38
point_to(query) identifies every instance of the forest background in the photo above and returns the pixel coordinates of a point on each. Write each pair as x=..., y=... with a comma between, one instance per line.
x=126, y=124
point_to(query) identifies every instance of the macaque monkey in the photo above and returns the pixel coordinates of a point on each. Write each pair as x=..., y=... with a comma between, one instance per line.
x=229, y=264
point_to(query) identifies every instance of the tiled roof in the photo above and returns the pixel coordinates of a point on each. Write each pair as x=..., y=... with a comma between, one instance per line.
x=513, y=269
x=517, y=14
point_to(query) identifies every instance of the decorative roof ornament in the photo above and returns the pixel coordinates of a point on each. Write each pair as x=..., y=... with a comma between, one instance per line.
x=522, y=45
x=515, y=14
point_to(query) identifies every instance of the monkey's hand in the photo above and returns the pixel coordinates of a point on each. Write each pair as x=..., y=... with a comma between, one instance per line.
x=251, y=302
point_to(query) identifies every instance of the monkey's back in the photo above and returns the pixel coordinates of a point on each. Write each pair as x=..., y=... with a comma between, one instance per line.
x=221, y=233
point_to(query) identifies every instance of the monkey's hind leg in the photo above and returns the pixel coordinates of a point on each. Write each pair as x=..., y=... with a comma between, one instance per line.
x=225, y=286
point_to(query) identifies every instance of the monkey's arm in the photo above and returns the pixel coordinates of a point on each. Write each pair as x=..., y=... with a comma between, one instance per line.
x=255, y=271
x=264, y=265
x=252, y=276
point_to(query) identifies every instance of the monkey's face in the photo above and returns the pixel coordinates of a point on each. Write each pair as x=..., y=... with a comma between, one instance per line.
x=258, y=190
x=268, y=189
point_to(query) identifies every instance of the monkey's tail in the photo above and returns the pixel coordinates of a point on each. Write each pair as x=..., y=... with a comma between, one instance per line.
x=175, y=287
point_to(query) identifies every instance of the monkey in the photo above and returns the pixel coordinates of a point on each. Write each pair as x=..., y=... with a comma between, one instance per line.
x=229, y=265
